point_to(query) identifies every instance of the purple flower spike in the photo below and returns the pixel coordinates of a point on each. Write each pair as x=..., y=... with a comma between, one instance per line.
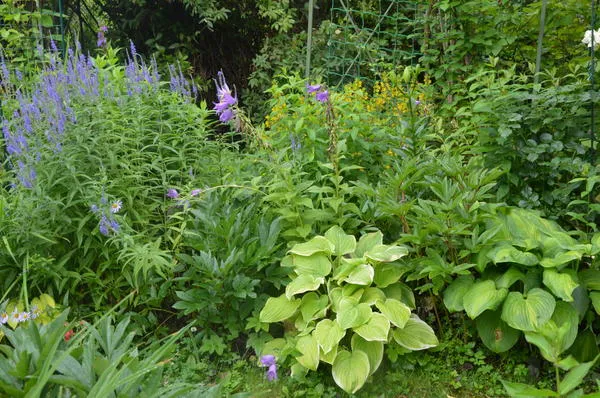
x=172, y=193
x=226, y=116
x=323, y=96
x=267, y=360
x=313, y=88
x=195, y=192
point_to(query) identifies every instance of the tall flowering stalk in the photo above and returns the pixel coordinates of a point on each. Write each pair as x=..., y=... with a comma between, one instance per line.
x=225, y=108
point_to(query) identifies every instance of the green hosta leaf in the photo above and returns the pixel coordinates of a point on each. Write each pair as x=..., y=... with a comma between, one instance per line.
x=595, y=244
x=273, y=347
x=277, y=309
x=595, y=297
x=313, y=306
x=368, y=242
x=584, y=347
x=361, y=275
x=351, y=313
x=510, y=254
x=507, y=279
x=396, y=311
x=330, y=356
x=590, y=278
x=344, y=244
x=328, y=334
x=562, y=285
x=309, y=348
x=560, y=259
x=376, y=329
x=528, y=313
x=317, y=265
x=387, y=274
x=303, y=283
x=401, y=292
x=350, y=370
x=371, y=295
x=574, y=377
x=416, y=335
x=495, y=333
x=318, y=244
x=520, y=390
x=373, y=349
x=454, y=293
x=346, y=266
x=483, y=296
x=386, y=254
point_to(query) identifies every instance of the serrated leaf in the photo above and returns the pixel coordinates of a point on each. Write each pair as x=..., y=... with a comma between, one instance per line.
x=277, y=309
x=350, y=370
x=343, y=243
x=483, y=296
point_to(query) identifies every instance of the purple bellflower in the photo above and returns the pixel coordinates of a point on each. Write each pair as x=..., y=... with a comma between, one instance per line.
x=322, y=96
x=269, y=360
x=172, y=193
x=224, y=108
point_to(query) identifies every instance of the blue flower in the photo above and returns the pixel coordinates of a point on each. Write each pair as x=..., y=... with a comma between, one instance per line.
x=313, y=88
x=269, y=360
x=172, y=193
x=224, y=108
x=322, y=96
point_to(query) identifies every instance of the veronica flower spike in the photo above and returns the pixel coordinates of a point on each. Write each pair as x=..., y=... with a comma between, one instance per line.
x=227, y=100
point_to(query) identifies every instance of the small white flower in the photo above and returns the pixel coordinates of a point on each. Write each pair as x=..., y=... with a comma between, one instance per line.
x=587, y=38
x=116, y=206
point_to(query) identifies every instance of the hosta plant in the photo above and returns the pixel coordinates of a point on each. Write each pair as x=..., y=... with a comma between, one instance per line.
x=343, y=305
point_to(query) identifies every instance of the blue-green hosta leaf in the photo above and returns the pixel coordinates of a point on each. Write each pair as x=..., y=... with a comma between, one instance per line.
x=371, y=295
x=303, y=283
x=309, y=348
x=507, y=279
x=510, y=254
x=495, y=333
x=318, y=244
x=350, y=370
x=361, y=275
x=376, y=329
x=528, y=313
x=395, y=311
x=483, y=296
x=416, y=335
x=387, y=274
x=277, y=309
x=561, y=285
x=343, y=243
x=455, y=292
x=373, y=349
x=317, y=265
x=313, y=306
x=368, y=242
x=386, y=254
x=328, y=334
x=351, y=313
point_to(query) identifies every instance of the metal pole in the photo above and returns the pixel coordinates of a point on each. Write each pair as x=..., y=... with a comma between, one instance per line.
x=538, y=57
x=309, y=38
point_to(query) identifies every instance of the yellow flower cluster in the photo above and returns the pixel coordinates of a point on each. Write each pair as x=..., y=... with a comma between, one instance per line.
x=277, y=113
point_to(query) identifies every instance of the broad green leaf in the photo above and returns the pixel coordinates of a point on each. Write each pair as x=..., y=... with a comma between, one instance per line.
x=561, y=285
x=318, y=244
x=373, y=349
x=361, y=275
x=416, y=335
x=309, y=348
x=401, y=292
x=313, y=306
x=298, y=371
x=510, y=254
x=567, y=363
x=376, y=329
x=395, y=311
x=350, y=370
x=590, y=278
x=277, y=309
x=595, y=244
x=483, y=296
x=386, y=254
x=520, y=390
x=574, y=377
x=273, y=347
x=368, y=242
x=584, y=347
x=387, y=274
x=454, y=293
x=317, y=265
x=344, y=244
x=371, y=295
x=346, y=266
x=328, y=334
x=507, y=279
x=328, y=357
x=351, y=313
x=495, y=333
x=530, y=312
x=303, y=283
x=595, y=297
x=560, y=259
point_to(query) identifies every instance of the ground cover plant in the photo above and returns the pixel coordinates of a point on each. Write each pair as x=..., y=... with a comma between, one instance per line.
x=423, y=223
